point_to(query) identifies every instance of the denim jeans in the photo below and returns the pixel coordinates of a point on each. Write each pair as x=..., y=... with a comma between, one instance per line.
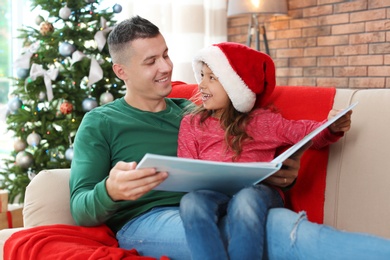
x=218, y=226
x=289, y=235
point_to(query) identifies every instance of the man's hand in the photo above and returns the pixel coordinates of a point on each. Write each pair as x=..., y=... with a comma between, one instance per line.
x=289, y=172
x=126, y=183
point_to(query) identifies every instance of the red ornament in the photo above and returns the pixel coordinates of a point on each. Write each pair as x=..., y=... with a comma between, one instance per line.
x=66, y=108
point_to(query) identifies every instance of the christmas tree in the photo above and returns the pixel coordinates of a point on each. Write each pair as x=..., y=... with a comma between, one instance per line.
x=63, y=72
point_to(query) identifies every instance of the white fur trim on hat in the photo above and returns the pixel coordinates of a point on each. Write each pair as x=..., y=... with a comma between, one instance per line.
x=243, y=99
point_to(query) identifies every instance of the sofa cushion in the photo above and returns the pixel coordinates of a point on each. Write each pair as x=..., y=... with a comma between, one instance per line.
x=41, y=199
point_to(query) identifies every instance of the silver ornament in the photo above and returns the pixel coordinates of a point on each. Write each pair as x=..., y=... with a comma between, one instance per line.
x=65, y=12
x=14, y=105
x=38, y=20
x=24, y=159
x=69, y=154
x=42, y=96
x=105, y=98
x=89, y=104
x=19, y=145
x=117, y=8
x=22, y=73
x=66, y=49
x=33, y=139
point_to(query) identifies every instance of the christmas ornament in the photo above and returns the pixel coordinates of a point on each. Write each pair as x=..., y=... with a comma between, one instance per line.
x=19, y=145
x=69, y=154
x=42, y=96
x=38, y=20
x=46, y=28
x=24, y=159
x=66, y=49
x=31, y=174
x=65, y=12
x=22, y=73
x=89, y=104
x=33, y=139
x=105, y=98
x=117, y=8
x=66, y=108
x=14, y=105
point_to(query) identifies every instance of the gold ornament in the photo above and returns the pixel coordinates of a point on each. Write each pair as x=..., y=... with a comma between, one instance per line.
x=46, y=28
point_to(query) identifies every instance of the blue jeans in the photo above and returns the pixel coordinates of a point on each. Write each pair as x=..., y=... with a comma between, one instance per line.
x=218, y=226
x=289, y=235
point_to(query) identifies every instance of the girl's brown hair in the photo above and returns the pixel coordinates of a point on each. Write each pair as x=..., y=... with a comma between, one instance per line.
x=232, y=122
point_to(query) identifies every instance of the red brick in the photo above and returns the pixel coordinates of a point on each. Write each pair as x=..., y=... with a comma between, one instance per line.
x=351, y=49
x=278, y=44
x=348, y=28
x=318, y=72
x=370, y=15
x=332, y=61
x=382, y=25
x=301, y=81
x=374, y=71
x=378, y=4
x=333, y=40
x=316, y=31
x=295, y=4
x=350, y=6
x=289, y=72
x=294, y=33
x=379, y=48
x=298, y=52
x=333, y=19
x=318, y=10
x=302, y=23
x=387, y=59
x=366, y=82
x=303, y=42
x=319, y=51
x=303, y=62
x=367, y=37
x=365, y=60
x=350, y=71
x=333, y=82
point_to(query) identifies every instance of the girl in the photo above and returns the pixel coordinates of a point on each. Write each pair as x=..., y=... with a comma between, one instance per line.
x=226, y=127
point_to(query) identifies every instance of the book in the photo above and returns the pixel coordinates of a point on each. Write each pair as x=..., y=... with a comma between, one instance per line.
x=186, y=175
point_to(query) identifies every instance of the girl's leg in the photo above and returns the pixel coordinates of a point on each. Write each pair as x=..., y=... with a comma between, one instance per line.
x=200, y=212
x=156, y=233
x=246, y=218
x=291, y=236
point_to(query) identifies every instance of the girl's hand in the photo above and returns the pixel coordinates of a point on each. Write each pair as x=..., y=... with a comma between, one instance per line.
x=343, y=124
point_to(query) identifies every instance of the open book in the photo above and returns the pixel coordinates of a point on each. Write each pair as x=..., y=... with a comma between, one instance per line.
x=228, y=177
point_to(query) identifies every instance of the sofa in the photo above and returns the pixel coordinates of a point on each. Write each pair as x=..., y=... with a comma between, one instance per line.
x=357, y=177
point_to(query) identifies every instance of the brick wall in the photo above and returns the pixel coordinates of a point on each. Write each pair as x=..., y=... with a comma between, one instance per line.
x=338, y=43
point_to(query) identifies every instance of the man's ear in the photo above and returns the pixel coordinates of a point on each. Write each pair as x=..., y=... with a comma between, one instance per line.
x=119, y=71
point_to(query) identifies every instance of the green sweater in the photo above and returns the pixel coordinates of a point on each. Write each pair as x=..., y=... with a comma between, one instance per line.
x=112, y=133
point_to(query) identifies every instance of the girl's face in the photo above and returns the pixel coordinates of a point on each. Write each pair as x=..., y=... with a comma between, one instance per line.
x=214, y=96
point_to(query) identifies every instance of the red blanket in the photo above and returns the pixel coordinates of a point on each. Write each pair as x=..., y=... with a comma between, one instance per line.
x=68, y=243
x=297, y=103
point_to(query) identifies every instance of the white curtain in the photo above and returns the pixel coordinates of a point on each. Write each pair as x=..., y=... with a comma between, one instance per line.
x=187, y=25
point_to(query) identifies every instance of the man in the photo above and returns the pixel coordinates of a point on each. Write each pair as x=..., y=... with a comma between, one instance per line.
x=105, y=187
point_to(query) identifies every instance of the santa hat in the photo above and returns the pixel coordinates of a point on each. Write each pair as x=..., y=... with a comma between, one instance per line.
x=247, y=75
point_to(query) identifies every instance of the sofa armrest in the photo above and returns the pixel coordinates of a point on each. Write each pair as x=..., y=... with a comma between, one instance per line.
x=47, y=199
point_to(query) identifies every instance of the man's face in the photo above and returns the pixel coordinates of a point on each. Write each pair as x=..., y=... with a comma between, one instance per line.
x=148, y=71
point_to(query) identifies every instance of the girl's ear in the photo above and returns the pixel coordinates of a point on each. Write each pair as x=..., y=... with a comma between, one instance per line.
x=119, y=71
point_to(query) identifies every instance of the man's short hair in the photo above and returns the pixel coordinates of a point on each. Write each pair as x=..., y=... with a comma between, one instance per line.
x=126, y=32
